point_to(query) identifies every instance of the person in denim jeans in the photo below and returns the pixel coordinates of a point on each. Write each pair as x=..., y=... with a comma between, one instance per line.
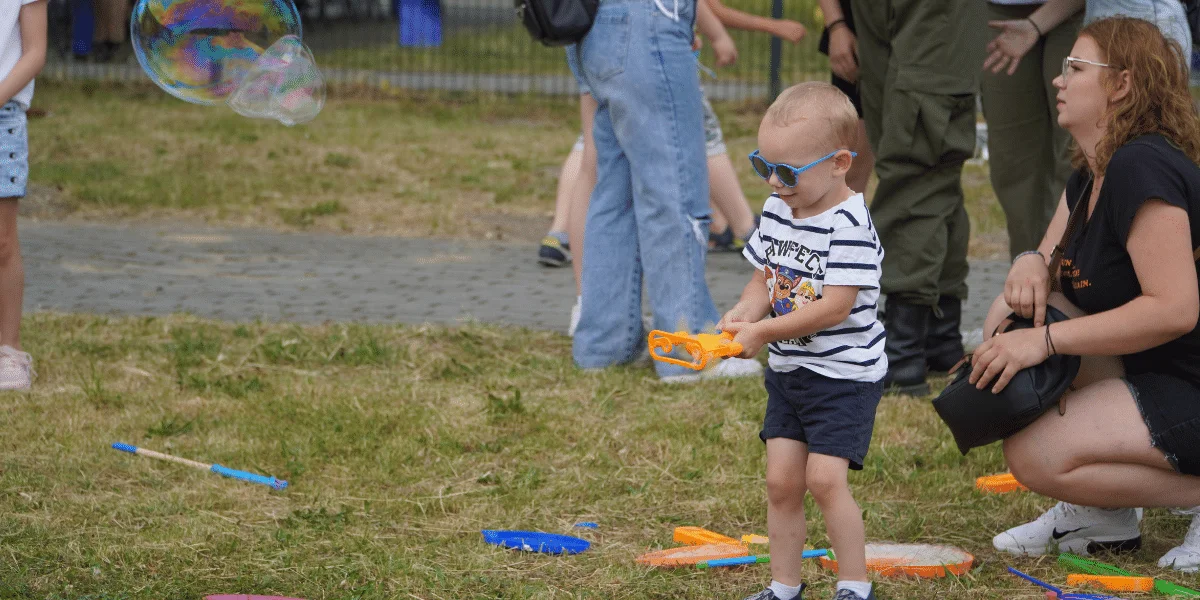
x=649, y=213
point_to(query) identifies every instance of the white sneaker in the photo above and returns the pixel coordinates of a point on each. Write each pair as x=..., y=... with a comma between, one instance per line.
x=725, y=368
x=574, y=318
x=1073, y=528
x=1186, y=556
x=16, y=368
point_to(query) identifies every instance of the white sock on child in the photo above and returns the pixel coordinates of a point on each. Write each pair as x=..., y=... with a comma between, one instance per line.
x=862, y=588
x=785, y=592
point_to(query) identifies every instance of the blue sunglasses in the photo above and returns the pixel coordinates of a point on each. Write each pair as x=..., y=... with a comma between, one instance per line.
x=788, y=175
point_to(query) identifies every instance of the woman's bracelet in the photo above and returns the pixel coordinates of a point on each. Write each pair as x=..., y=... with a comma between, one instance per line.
x=1035, y=27
x=1027, y=253
x=1050, y=349
x=830, y=26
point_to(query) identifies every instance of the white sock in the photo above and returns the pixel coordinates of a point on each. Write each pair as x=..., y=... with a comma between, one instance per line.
x=862, y=588
x=785, y=592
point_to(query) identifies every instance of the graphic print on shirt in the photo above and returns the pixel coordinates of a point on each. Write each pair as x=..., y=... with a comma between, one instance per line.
x=789, y=292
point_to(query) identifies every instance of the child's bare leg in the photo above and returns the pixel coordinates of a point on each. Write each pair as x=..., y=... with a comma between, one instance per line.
x=12, y=276
x=786, y=527
x=581, y=194
x=726, y=197
x=566, y=183
x=826, y=479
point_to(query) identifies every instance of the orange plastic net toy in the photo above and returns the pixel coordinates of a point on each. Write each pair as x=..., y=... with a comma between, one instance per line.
x=690, y=555
x=917, y=560
x=697, y=536
x=1113, y=583
x=702, y=347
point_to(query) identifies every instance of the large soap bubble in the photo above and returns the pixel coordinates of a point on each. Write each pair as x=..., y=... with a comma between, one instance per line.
x=201, y=50
x=284, y=84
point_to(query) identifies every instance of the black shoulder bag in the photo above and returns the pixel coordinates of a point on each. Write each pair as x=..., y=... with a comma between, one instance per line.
x=557, y=22
x=979, y=417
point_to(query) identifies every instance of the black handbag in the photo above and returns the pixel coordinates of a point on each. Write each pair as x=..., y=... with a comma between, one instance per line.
x=557, y=22
x=979, y=417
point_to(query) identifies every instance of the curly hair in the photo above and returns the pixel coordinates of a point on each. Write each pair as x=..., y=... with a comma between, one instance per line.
x=1158, y=100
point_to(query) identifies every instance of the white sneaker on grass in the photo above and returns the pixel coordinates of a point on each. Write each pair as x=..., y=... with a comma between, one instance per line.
x=1072, y=528
x=1186, y=556
x=16, y=369
x=574, y=318
x=726, y=368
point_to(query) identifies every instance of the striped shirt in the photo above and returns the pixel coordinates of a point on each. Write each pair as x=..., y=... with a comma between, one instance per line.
x=800, y=257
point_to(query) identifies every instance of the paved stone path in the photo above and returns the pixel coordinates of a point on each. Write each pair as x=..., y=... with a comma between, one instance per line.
x=246, y=274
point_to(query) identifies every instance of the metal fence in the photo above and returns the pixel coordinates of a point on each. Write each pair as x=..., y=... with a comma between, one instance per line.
x=456, y=45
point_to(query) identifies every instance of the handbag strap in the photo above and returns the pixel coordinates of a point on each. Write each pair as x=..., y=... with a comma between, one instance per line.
x=1078, y=214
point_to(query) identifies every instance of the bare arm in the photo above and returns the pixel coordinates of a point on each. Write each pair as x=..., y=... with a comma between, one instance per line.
x=712, y=29
x=1160, y=245
x=832, y=308
x=791, y=31
x=843, y=44
x=1017, y=37
x=33, y=51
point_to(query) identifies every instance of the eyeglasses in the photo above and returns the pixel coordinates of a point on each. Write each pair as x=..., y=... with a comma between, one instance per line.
x=788, y=175
x=1066, y=67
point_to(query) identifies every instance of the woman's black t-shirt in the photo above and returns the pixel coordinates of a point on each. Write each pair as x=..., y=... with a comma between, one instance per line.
x=1097, y=272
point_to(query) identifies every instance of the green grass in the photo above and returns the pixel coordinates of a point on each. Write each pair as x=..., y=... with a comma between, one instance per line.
x=447, y=165
x=401, y=443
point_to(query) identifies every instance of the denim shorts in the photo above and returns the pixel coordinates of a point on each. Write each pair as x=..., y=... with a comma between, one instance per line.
x=14, y=151
x=835, y=417
x=1170, y=407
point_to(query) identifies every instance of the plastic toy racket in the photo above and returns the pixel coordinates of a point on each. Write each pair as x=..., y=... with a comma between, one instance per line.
x=536, y=541
x=702, y=347
x=1002, y=483
x=698, y=536
x=218, y=469
x=1112, y=583
x=918, y=560
x=1058, y=593
x=687, y=556
x=1092, y=567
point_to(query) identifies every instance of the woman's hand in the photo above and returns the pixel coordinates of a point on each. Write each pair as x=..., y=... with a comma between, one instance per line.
x=749, y=335
x=1016, y=38
x=843, y=53
x=1028, y=287
x=1002, y=356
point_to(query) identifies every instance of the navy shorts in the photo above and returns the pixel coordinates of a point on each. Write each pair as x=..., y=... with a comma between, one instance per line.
x=834, y=417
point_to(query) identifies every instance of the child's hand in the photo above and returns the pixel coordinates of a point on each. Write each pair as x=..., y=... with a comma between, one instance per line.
x=791, y=31
x=748, y=335
x=725, y=51
x=737, y=314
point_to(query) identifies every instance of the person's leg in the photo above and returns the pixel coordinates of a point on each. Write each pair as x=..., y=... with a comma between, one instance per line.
x=1021, y=140
x=584, y=183
x=555, y=249
x=12, y=276
x=730, y=209
x=664, y=142
x=732, y=219
x=566, y=184
x=786, y=526
x=1101, y=454
x=826, y=477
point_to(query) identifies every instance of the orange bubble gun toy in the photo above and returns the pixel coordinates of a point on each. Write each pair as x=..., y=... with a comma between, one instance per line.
x=703, y=347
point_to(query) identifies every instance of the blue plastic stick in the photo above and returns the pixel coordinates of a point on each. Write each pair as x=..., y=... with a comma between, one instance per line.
x=218, y=469
x=1056, y=591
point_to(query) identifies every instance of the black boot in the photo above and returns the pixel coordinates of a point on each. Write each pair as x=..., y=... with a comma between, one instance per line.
x=945, y=348
x=907, y=327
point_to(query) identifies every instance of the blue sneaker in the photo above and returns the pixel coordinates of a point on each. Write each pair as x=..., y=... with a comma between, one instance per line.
x=554, y=253
x=850, y=595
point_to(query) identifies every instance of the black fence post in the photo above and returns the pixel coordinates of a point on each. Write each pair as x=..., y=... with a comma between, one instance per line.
x=776, y=52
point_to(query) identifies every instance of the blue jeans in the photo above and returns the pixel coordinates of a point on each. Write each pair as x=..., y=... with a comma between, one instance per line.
x=648, y=213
